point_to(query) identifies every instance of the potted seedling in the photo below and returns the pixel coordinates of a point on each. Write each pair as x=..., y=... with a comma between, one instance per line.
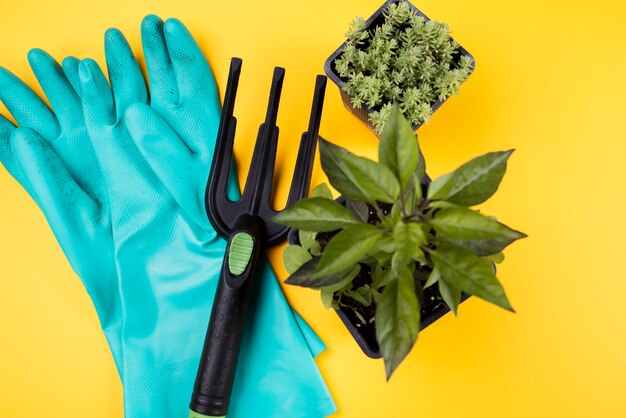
x=398, y=55
x=398, y=247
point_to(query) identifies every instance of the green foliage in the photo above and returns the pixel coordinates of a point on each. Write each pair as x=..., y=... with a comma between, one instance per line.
x=414, y=232
x=357, y=178
x=294, y=257
x=397, y=319
x=465, y=270
x=317, y=214
x=347, y=248
x=450, y=294
x=473, y=182
x=406, y=59
x=467, y=228
x=400, y=156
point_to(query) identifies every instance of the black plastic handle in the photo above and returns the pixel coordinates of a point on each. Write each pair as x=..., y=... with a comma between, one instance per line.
x=214, y=381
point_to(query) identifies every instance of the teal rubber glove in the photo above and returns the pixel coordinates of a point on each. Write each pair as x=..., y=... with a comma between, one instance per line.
x=52, y=158
x=172, y=135
x=155, y=309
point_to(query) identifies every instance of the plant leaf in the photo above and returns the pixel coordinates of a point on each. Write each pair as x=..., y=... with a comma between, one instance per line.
x=381, y=257
x=375, y=295
x=420, y=171
x=343, y=284
x=407, y=239
x=358, y=315
x=359, y=209
x=441, y=204
x=473, y=182
x=375, y=180
x=450, y=294
x=468, y=228
x=398, y=148
x=397, y=320
x=304, y=276
x=363, y=299
x=497, y=258
x=337, y=172
x=472, y=274
x=316, y=249
x=385, y=243
x=294, y=257
x=347, y=247
x=433, y=278
x=307, y=239
x=481, y=248
x=316, y=214
x=322, y=190
x=327, y=298
x=379, y=276
x=411, y=193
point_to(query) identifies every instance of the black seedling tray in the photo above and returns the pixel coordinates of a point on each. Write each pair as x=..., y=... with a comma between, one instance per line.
x=377, y=19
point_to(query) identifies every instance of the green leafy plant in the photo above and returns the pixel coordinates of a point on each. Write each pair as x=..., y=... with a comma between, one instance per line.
x=407, y=59
x=404, y=235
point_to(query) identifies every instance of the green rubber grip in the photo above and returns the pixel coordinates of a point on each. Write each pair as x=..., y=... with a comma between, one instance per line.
x=240, y=252
x=193, y=414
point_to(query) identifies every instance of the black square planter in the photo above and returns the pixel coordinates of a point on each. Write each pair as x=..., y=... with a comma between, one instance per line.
x=376, y=20
x=431, y=309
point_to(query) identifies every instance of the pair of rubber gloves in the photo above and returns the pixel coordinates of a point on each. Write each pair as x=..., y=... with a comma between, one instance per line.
x=120, y=175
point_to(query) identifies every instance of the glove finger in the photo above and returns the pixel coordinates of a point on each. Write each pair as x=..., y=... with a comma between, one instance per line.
x=70, y=68
x=7, y=159
x=26, y=107
x=163, y=87
x=191, y=69
x=60, y=93
x=126, y=78
x=96, y=95
x=6, y=156
x=73, y=145
x=196, y=87
x=117, y=155
x=168, y=156
x=69, y=210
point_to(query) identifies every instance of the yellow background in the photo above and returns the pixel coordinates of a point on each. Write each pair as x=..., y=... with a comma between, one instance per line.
x=550, y=82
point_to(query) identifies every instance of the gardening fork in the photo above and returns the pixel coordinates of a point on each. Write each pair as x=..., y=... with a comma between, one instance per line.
x=249, y=229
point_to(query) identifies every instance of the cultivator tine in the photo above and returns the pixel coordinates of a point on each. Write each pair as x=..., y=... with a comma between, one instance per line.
x=274, y=101
x=304, y=166
x=257, y=191
x=256, y=198
x=318, y=103
x=306, y=153
x=218, y=207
